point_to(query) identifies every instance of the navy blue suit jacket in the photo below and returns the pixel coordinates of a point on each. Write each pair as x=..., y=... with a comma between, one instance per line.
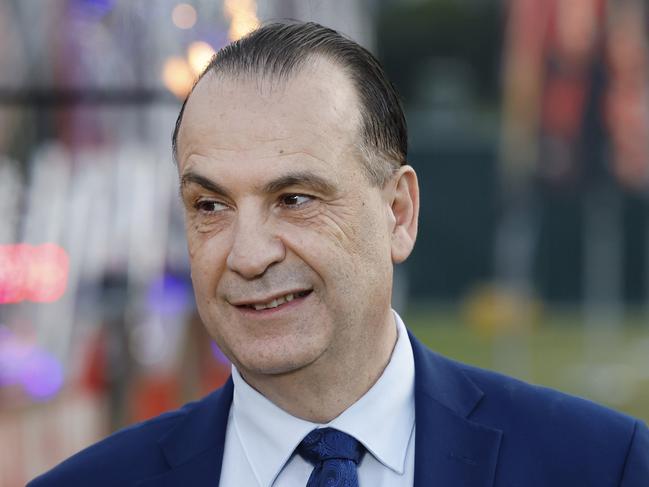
x=474, y=428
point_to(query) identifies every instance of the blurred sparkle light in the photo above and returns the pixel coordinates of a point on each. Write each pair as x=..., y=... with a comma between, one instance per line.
x=169, y=295
x=12, y=277
x=42, y=376
x=177, y=76
x=243, y=16
x=47, y=273
x=24, y=364
x=93, y=8
x=199, y=55
x=32, y=273
x=184, y=16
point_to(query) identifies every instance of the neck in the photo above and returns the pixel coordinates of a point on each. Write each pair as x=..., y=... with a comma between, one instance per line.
x=324, y=389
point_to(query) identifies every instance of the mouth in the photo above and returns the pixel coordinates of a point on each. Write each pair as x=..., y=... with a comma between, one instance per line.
x=276, y=302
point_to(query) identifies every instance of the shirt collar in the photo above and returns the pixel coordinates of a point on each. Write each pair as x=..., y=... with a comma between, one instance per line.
x=269, y=435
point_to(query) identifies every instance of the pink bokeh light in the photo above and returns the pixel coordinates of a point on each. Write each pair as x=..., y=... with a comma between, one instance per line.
x=37, y=273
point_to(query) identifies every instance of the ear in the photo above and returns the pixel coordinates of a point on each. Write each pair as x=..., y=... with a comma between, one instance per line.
x=404, y=212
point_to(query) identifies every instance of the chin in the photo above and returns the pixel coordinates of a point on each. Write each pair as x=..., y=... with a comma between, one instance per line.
x=274, y=362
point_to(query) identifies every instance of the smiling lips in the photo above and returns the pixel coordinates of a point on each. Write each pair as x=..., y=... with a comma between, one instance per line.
x=275, y=302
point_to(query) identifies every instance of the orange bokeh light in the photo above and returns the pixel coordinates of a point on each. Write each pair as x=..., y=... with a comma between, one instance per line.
x=243, y=17
x=37, y=273
x=178, y=76
x=199, y=55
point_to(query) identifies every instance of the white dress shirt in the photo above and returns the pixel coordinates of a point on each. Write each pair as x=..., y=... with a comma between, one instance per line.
x=261, y=438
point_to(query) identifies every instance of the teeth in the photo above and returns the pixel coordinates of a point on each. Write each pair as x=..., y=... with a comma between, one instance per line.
x=274, y=303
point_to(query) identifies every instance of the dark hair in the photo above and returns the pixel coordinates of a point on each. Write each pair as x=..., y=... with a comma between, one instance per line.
x=279, y=49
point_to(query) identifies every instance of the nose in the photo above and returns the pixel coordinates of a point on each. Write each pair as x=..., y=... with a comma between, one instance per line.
x=255, y=247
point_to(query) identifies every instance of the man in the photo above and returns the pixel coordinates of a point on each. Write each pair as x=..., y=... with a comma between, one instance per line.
x=291, y=154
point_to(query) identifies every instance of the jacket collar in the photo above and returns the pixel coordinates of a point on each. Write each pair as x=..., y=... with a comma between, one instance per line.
x=194, y=448
x=449, y=448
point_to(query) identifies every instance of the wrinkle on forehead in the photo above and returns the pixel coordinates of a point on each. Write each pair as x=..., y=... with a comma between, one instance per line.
x=195, y=160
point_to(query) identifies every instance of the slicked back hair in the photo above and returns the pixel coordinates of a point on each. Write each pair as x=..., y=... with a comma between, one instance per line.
x=279, y=50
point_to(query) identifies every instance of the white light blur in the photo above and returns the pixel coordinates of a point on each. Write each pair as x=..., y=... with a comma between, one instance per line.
x=199, y=54
x=184, y=16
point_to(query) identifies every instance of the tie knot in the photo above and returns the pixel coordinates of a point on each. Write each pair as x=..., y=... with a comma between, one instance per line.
x=329, y=444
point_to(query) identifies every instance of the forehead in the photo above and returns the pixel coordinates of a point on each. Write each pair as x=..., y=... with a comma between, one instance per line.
x=315, y=110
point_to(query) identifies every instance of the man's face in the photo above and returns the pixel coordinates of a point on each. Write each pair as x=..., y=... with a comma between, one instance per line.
x=289, y=243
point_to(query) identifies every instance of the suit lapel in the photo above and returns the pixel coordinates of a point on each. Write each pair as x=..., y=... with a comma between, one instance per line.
x=449, y=449
x=194, y=449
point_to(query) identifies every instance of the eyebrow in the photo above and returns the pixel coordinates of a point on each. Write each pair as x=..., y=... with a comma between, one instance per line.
x=298, y=178
x=208, y=184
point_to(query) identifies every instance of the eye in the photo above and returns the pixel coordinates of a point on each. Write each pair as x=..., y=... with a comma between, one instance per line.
x=295, y=200
x=209, y=206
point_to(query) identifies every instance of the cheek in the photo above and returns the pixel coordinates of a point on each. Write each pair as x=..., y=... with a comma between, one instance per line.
x=207, y=257
x=337, y=229
x=375, y=250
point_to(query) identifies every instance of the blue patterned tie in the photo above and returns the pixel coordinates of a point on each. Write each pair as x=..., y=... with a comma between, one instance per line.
x=334, y=455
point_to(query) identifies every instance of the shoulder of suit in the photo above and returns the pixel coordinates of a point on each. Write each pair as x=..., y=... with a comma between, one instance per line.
x=527, y=411
x=517, y=407
x=503, y=391
x=124, y=453
x=560, y=433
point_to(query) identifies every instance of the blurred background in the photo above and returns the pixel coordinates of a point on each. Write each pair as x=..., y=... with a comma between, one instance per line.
x=529, y=129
